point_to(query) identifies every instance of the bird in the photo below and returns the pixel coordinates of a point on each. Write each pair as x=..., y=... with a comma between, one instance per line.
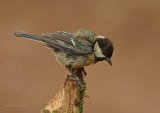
x=75, y=50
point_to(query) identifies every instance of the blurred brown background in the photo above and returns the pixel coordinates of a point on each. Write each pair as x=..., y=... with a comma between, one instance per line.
x=30, y=75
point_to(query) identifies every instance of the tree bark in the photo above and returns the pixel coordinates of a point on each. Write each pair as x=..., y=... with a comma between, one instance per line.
x=69, y=99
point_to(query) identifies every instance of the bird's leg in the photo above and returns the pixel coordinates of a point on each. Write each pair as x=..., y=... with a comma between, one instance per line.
x=84, y=71
x=74, y=77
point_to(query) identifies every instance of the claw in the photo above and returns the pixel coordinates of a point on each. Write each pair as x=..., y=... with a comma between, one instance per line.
x=84, y=71
x=80, y=83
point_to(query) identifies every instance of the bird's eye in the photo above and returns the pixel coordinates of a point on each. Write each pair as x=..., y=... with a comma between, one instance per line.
x=103, y=52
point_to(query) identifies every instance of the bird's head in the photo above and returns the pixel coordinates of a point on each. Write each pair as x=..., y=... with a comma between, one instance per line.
x=103, y=49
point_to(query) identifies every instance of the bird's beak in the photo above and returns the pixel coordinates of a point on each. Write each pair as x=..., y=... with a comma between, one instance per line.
x=109, y=61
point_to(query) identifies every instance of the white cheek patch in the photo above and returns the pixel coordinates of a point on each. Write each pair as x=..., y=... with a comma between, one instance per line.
x=98, y=51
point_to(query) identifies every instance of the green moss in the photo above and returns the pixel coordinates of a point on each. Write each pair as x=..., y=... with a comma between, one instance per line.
x=82, y=95
x=83, y=92
x=45, y=111
x=54, y=111
x=80, y=105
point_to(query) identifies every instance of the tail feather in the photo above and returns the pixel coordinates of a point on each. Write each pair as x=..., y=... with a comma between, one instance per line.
x=28, y=35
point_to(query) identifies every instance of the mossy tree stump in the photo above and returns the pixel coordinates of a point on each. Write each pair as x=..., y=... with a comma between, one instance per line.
x=69, y=99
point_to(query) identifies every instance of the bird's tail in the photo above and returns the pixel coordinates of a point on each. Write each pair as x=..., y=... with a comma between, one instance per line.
x=28, y=36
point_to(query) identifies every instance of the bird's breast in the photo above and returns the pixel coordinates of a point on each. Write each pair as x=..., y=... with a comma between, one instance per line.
x=82, y=61
x=75, y=61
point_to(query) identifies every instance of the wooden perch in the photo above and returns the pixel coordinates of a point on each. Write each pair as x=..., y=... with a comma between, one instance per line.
x=69, y=99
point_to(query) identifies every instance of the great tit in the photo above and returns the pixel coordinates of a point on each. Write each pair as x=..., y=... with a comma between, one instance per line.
x=75, y=50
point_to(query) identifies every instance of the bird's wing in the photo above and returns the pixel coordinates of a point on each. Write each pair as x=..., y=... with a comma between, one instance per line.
x=67, y=42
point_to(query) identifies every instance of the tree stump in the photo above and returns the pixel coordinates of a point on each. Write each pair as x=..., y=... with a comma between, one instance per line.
x=69, y=99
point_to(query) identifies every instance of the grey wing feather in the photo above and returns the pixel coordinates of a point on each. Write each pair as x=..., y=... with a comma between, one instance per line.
x=61, y=36
x=64, y=41
x=28, y=35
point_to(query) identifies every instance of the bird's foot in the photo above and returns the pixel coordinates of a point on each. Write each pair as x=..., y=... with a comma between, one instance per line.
x=80, y=83
x=84, y=71
x=74, y=77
